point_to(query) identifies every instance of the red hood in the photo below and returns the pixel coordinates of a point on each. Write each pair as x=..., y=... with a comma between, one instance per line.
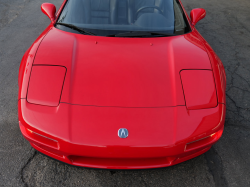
x=124, y=72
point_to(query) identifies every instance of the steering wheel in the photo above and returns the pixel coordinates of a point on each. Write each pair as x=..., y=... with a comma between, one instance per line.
x=144, y=7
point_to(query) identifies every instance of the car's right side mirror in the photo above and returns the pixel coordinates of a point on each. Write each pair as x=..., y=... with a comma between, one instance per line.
x=197, y=15
x=49, y=10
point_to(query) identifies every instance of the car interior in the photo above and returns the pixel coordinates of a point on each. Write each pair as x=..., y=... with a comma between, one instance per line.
x=119, y=11
x=99, y=14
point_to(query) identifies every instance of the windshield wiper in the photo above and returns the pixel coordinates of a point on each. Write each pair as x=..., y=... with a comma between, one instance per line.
x=83, y=31
x=140, y=33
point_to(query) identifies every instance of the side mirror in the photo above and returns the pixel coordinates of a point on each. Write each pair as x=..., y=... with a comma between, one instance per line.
x=49, y=10
x=197, y=15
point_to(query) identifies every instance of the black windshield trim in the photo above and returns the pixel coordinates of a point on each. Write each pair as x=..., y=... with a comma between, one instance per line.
x=141, y=34
x=186, y=19
x=74, y=27
x=61, y=11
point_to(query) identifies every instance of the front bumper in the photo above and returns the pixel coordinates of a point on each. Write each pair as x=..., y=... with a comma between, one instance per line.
x=133, y=155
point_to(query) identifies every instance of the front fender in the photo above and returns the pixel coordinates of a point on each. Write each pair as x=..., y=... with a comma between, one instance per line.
x=26, y=64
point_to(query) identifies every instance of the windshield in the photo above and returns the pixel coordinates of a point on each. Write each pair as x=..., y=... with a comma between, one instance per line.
x=118, y=17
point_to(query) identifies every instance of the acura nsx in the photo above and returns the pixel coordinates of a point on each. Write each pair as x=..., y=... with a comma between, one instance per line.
x=121, y=84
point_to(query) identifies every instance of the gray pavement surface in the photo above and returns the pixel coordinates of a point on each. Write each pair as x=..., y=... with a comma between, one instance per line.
x=226, y=28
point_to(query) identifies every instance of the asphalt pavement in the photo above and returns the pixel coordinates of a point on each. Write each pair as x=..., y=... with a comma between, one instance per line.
x=226, y=28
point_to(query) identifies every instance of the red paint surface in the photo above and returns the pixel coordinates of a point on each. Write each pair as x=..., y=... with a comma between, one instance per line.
x=199, y=89
x=114, y=83
x=197, y=15
x=49, y=10
x=113, y=74
x=91, y=132
x=45, y=85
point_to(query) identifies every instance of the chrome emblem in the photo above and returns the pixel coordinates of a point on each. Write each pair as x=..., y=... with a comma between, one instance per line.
x=123, y=133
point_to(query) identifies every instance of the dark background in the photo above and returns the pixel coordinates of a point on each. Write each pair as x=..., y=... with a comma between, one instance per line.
x=226, y=28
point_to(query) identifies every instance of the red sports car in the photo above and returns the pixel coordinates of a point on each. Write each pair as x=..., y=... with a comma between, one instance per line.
x=121, y=84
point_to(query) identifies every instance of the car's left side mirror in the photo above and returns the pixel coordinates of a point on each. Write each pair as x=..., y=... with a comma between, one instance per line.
x=197, y=15
x=49, y=10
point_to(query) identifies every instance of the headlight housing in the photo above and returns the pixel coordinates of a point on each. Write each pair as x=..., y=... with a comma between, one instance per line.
x=199, y=89
x=45, y=85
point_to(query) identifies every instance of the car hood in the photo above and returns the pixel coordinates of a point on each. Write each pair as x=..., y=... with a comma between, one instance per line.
x=122, y=72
